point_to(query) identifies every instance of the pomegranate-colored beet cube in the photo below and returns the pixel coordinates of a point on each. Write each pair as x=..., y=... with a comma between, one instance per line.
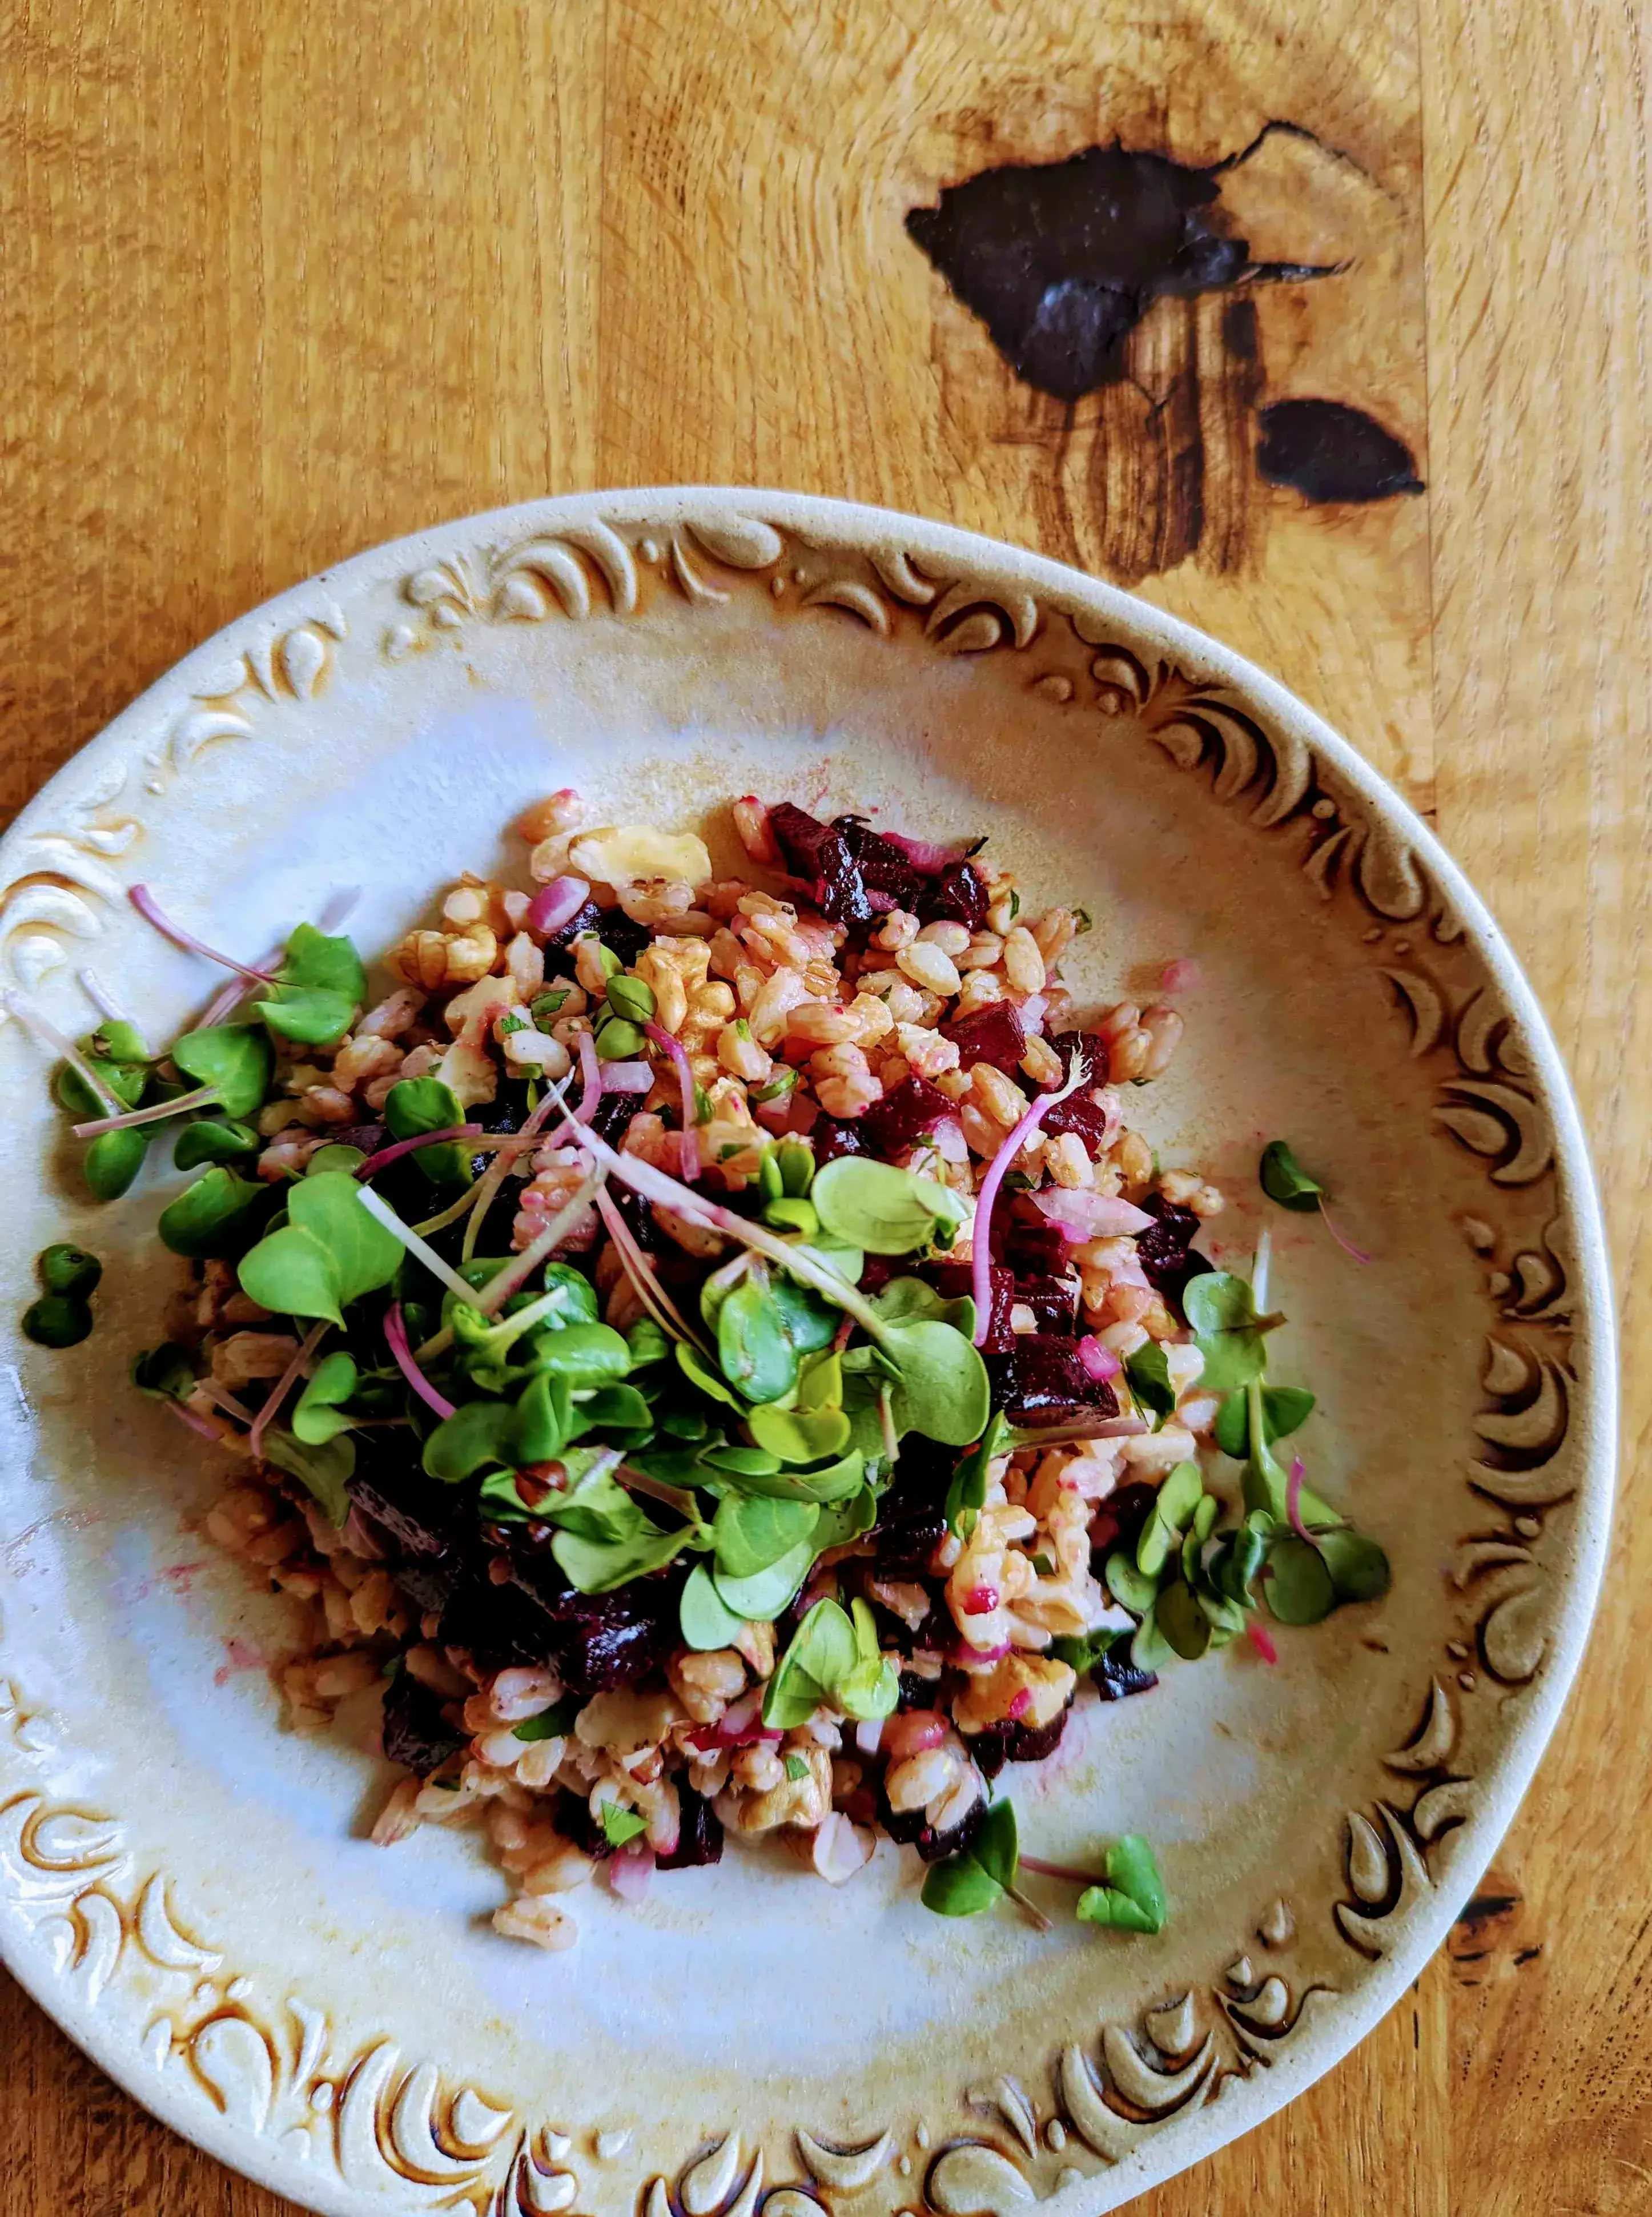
x=884, y=869
x=600, y=1641
x=613, y=1113
x=1082, y=1113
x=1053, y=1301
x=815, y=851
x=416, y=1734
x=911, y=1518
x=699, y=1835
x=952, y=1281
x=1042, y=1381
x=995, y=1034
x=831, y=1136
x=958, y=895
x=1165, y=1249
x=906, y=1112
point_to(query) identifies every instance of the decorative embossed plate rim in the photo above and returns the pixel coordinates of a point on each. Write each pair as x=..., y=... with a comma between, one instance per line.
x=1506, y=1099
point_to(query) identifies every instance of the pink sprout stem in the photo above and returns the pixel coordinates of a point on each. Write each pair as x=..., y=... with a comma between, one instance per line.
x=98, y=994
x=386, y=1156
x=146, y=905
x=1069, y=1871
x=678, y=1055
x=285, y=1384
x=196, y=1423
x=1293, y=1502
x=1341, y=1237
x=981, y=1234
x=204, y=1096
x=402, y=1355
x=32, y=1020
x=651, y=1294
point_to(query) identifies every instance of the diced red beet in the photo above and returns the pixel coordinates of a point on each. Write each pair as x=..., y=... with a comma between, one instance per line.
x=904, y=1114
x=911, y=1517
x=1117, y=1521
x=613, y=1113
x=1042, y=1381
x=600, y=1641
x=416, y=1734
x=1165, y=1249
x=573, y=1819
x=1115, y=1678
x=909, y=1828
x=885, y=871
x=958, y=895
x=1028, y=1243
x=699, y=1835
x=993, y=1034
x=368, y=1137
x=952, y=1281
x=1053, y=1301
x=822, y=856
x=1010, y=1741
x=588, y=917
x=831, y=1136
x=1090, y=1046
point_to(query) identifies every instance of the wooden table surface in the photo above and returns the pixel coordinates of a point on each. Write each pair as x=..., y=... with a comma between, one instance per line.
x=280, y=280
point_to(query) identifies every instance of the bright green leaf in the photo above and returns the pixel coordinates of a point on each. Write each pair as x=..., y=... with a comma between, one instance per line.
x=236, y=1059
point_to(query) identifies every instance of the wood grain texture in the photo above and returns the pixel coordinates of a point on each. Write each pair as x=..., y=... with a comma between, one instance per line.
x=279, y=281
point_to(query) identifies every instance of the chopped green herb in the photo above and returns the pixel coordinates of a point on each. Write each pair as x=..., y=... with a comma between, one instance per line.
x=796, y=1768
x=1284, y=1180
x=620, y=1824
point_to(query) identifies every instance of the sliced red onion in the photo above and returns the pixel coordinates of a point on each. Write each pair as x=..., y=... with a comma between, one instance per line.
x=386, y=1156
x=869, y=1735
x=590, y=1077
x=1099, y=1360
x=981, y=1601
x=1032, y=1012
x=202, y=1097
x=1261, y=1639
x=880, y=904
x=1179, y=976
x=627, y=1077
x=688, y=1138
x=1079, y=1213
x=930, y=858
x=981, y=1232
x=910, y=1731
x=630, y=1870
x=359, y=1539
x=146, y=905
x=396, y=1338
x=284, y=1385
x=554, y=905
x=1019, y=1706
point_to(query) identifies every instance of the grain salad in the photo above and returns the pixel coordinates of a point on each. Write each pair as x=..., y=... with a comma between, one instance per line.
x=712, y=1357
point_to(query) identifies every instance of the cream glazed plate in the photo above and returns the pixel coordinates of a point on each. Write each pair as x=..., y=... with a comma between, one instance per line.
x=188, y=1887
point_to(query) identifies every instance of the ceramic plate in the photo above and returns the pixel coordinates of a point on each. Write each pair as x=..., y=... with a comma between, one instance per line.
x=187, y=1889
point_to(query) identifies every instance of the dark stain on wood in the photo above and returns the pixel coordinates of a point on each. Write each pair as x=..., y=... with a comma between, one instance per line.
x=1488, y=1932
x=1156, y=449
x=1329, y=451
